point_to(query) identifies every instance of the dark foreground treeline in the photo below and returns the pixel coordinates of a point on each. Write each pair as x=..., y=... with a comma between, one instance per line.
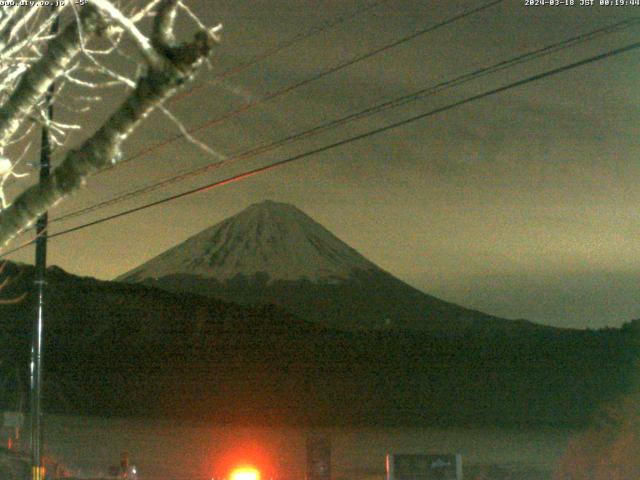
x=116, y=349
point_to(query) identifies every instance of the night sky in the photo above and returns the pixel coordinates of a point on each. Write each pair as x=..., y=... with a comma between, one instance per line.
x=523, y=205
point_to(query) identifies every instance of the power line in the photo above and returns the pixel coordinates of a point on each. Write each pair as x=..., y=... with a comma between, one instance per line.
x=280, y=47
x=354, y=138
x=283, y=91
x=322, y=27
x=297, y=85
x=243, y=66
x=417, y=95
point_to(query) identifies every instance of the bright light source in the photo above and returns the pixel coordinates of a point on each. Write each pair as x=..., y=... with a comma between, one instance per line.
x=245, y=473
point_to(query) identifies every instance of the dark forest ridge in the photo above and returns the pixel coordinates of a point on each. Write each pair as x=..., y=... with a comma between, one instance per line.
x=120, y=349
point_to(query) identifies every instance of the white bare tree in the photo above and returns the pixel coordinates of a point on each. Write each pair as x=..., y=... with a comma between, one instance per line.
x=32, y=59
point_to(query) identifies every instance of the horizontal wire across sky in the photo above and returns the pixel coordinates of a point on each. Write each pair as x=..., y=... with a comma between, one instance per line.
x=412, y=97
x=274, y=165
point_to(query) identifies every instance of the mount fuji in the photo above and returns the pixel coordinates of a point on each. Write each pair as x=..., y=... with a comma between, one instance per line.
x=273, y=253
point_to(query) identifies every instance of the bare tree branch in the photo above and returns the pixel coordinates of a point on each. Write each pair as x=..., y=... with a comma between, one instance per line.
x=178, y=64
x=35, y=82
x=143, y=43
x=163, y=24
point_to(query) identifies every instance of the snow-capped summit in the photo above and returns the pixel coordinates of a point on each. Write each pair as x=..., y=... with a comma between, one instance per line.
x=273, y=253
x=270, y=238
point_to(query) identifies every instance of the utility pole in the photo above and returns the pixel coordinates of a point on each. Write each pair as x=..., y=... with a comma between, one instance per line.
x=37, y=467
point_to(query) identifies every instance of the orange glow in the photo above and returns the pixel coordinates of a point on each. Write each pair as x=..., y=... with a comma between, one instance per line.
x=245, y=473
x=247, y=450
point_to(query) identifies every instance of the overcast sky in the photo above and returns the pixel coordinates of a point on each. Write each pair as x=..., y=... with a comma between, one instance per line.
x=523, y=204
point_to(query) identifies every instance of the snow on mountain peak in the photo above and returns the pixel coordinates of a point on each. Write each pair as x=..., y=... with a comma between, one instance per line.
x=268, y=237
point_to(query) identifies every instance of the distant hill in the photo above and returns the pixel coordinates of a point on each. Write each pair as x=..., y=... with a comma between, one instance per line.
x=273, y=253
x=120, y=349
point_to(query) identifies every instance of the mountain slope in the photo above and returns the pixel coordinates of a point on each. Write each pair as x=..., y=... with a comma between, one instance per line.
x=270, y=238
x=274, y=253
x=122, y=349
